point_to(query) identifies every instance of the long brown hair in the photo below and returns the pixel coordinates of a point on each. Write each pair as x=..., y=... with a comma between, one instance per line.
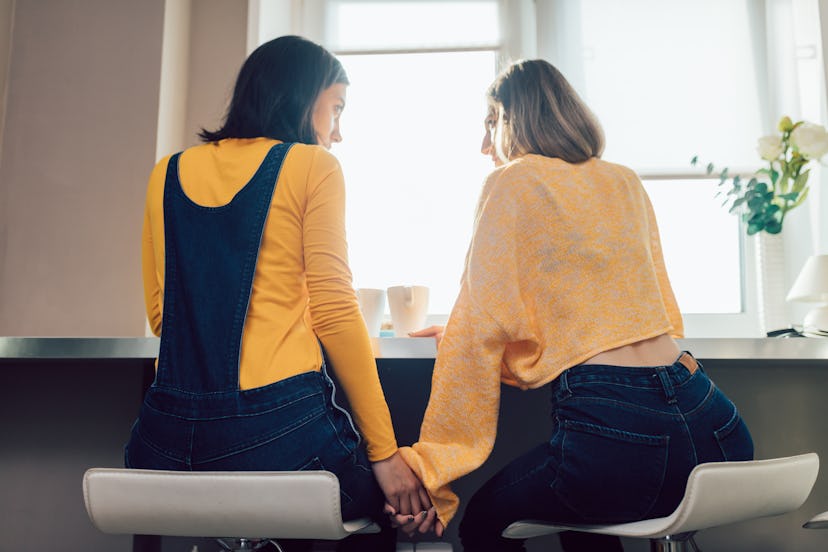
x=539, y=112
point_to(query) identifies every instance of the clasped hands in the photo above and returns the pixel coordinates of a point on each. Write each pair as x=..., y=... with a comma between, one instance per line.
x=407, y=503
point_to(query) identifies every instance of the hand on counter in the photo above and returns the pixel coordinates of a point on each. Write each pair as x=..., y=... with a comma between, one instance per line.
x=432, y=331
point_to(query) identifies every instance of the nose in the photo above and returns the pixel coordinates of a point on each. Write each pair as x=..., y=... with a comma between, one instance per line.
x=336, y=136
x=486, y=146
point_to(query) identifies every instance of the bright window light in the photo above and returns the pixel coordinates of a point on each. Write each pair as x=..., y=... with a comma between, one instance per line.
x=413, y=24
x=670, y=80
x=413, y=169
x=701, y=245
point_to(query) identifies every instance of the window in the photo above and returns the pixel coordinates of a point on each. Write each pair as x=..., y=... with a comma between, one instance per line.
x=668, y=79
x=411, y=156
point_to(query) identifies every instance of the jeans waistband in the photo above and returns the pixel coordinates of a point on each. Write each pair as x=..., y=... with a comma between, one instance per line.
x=682, y=369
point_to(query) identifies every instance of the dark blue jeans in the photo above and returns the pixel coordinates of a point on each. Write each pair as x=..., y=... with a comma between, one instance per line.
x=624, y=441
x=292, y=424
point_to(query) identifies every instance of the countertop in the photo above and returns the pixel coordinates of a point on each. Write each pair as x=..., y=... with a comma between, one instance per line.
x=78, y=348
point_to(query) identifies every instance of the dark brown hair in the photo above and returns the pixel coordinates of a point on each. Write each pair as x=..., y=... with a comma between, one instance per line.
x=276, y=91
x=540, y=112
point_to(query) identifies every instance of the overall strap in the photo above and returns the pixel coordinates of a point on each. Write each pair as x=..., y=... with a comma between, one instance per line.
x=210, y=262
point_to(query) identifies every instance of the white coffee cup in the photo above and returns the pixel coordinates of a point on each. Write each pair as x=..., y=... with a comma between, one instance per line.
x=409, y=307
x=372, y=305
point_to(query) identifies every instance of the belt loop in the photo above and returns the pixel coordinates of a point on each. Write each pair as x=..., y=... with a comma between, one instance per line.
x=666, y=384
x=563, y=380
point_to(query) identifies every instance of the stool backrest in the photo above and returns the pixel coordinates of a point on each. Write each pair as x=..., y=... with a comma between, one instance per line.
x=301, y=505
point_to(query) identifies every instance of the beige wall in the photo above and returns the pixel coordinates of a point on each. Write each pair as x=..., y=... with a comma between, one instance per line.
x=218, y=38
x=79, y=141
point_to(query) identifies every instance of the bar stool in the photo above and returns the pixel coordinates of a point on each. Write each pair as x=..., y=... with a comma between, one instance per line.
x=717, y=493
x=819, y=521
x=242, y=510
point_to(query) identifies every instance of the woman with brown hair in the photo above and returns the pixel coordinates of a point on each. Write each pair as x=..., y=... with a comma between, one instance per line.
x=565, y=285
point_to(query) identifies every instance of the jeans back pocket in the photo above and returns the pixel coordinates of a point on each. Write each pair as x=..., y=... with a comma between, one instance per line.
x=734, y=439
x=609, y=475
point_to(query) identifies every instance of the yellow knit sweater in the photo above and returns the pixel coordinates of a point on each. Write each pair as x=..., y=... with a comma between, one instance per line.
x=565, y=262
x=302, y=286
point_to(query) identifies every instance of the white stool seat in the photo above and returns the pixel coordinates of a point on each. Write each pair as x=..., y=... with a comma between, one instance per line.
x=819, y=521
x=288, y=505
x=717, y=493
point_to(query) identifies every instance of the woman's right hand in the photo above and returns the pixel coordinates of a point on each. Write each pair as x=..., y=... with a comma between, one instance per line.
x=403, y=491
x=432, y=331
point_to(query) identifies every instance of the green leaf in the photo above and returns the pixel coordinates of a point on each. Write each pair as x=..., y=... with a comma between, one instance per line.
x=801, y=181
x=773, y=227
x=801, y=199
x=756, y=203
x=694, y=161
x=710, y=168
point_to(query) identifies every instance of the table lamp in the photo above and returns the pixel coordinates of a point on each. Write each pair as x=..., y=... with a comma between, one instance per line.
x=811, y=286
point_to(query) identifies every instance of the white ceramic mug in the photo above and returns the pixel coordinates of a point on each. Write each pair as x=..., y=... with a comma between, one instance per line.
x=409, y=307
x=372, y=305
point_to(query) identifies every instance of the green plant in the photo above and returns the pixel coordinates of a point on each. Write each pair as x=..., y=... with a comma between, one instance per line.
x=765, y=198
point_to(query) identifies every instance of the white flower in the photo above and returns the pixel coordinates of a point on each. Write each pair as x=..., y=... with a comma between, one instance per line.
x=811, y=140
x=770, y=147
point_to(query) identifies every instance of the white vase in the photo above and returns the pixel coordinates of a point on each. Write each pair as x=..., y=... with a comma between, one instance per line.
x=770, y=280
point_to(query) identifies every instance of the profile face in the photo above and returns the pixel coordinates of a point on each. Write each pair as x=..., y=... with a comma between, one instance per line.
x=487, y=147
x=326, y=112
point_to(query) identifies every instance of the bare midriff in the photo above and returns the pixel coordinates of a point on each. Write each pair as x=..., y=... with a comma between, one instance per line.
x=661, y=350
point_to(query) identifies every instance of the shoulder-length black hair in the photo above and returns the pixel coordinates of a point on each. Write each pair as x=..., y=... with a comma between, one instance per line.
x=276, y=91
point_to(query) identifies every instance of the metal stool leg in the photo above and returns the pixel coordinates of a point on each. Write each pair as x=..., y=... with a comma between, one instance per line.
x=674, y=543
x=240, y=545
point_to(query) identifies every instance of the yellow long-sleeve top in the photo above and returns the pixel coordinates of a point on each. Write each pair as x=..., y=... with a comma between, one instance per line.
x=565, y=262
x=302, y=287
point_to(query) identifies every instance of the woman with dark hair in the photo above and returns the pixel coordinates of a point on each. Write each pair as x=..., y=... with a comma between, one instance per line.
x=565, y=284
x=245, y=274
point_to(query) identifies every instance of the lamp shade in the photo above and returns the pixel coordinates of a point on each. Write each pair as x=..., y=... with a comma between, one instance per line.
x=812, y=283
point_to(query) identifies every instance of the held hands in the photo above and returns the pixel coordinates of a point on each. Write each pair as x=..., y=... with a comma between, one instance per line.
x=422, y=522
x=403, y=491
x=407, y=502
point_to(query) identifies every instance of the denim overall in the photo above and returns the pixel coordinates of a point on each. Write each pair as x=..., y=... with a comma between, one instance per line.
x=623, y=442
x=194, y=415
